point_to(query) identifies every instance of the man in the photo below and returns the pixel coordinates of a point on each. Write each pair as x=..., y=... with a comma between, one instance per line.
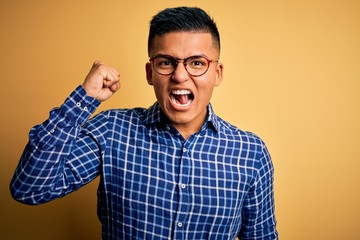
x=172, y=171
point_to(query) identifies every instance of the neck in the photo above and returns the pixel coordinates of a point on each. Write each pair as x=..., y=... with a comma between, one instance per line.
x=188, y=129
x=186, y=132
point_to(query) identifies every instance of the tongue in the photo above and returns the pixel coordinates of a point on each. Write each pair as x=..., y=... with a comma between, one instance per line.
x=182, y=99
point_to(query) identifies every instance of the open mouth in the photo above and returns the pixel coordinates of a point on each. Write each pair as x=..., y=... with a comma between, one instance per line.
x=181, y=98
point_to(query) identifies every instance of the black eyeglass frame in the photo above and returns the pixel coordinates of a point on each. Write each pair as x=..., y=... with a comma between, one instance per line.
x=175, y=61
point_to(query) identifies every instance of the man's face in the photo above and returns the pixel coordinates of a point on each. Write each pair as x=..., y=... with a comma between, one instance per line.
x=182, y=97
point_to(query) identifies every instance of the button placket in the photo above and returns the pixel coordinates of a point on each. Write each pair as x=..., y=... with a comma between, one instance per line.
x=185, y=199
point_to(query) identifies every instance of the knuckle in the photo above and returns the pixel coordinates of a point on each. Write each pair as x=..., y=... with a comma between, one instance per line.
x=98, y=65
x=101, y=67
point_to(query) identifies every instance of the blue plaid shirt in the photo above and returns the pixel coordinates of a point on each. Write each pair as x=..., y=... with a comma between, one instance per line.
x=154, y=184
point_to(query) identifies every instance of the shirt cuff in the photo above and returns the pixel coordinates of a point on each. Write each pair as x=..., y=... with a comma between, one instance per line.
x=78, y=107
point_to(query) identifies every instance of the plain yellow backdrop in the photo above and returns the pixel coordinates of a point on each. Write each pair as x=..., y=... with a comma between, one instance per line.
x=292, y=76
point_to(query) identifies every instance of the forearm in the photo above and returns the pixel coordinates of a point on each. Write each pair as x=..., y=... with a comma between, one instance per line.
x=49, y=167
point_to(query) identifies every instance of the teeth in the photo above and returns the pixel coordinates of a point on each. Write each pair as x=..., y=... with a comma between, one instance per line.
x=181, y=92
x=181, y=97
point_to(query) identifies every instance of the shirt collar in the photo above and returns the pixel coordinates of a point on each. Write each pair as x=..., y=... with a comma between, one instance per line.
x=154, y=115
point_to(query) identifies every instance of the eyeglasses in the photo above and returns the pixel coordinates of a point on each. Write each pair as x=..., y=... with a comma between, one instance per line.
x=195, y=66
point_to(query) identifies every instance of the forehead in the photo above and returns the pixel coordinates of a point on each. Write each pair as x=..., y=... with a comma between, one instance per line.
x=184, y=44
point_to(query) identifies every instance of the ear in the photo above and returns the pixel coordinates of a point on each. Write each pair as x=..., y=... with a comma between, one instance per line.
x=219, y=74
x=148, y=69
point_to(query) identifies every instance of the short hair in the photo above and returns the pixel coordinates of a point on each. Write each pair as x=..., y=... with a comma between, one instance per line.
x=182, y=19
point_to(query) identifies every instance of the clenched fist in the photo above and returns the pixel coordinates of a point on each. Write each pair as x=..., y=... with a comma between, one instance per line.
x=102, y=81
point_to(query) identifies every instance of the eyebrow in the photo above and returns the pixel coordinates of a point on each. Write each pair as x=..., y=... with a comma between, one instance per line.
x=169, y=56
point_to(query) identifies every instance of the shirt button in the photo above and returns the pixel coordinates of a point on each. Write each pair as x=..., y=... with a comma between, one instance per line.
x=184, y=149
x=183, y=186
x=167, y=128
x=78, y=104
x=52, y=130
x=85, y=109
x=180, y=224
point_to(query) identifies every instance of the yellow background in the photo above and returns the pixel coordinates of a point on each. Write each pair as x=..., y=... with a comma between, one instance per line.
x=292, y=75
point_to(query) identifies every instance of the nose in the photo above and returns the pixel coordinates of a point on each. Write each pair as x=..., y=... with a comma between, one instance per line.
x=180, y=74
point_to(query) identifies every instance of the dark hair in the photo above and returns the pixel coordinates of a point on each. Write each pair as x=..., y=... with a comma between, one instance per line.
x=181, y=19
